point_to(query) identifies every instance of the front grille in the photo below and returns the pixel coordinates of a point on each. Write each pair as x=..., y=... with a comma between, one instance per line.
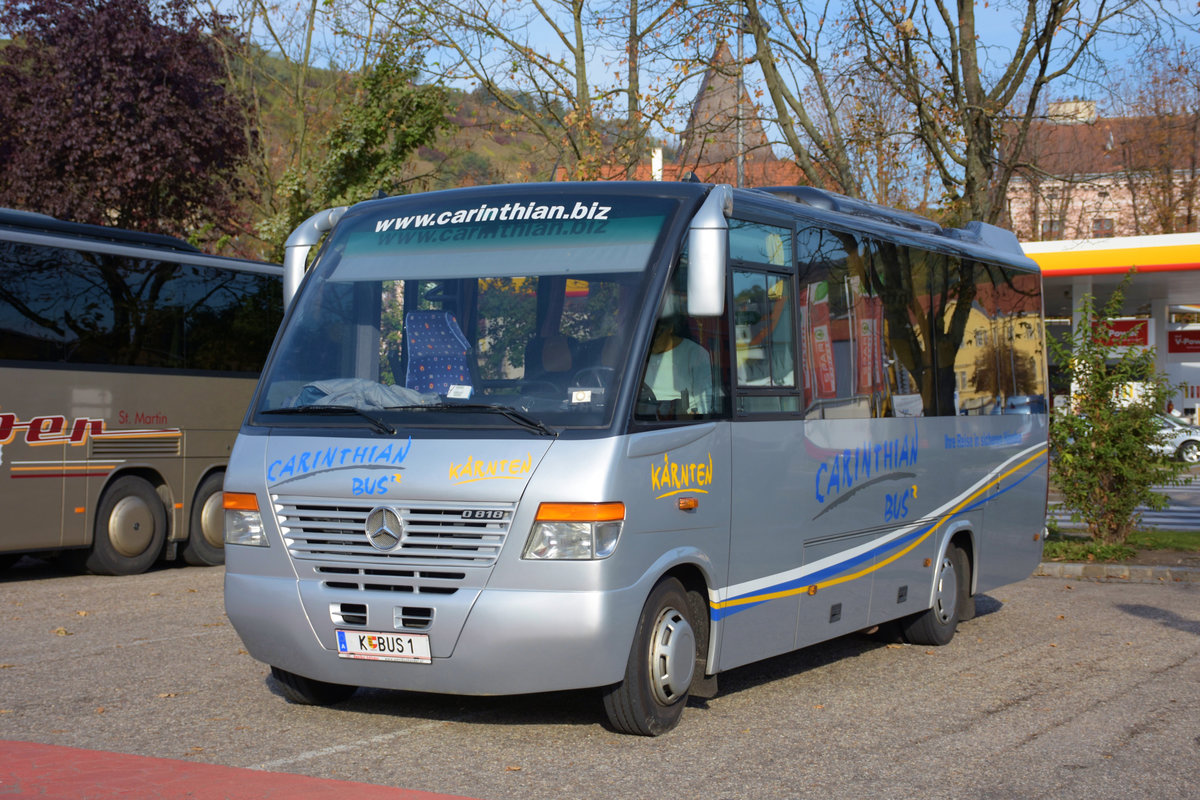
x=440, y=541
x=426, y=581
x=348, y=613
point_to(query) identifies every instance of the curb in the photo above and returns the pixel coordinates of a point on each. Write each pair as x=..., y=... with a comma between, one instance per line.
x=1117, y=572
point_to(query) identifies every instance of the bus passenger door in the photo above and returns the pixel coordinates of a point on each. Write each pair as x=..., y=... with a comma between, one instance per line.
x=766, y=549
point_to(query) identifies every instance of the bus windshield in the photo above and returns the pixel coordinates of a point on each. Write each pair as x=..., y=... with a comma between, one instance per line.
x=508, y=307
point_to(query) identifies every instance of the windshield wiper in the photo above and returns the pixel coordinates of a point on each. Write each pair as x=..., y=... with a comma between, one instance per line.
x=519, y=417
x=377, y=423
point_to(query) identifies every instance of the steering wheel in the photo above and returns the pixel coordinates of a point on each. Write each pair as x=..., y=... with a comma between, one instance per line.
x=541, y=388
x=600, y=377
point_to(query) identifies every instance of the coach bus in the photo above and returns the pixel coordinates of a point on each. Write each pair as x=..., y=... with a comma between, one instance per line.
x=626, y=436
x=127, y=361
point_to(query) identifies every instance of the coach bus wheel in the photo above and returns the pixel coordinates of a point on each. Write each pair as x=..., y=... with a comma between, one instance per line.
x=309, y=692
x=936, y=625
x=651, y=698
x=206, y=528
x=131, y=526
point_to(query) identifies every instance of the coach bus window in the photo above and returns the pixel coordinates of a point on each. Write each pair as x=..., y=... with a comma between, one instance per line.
x=59, y=304
x=31, y=329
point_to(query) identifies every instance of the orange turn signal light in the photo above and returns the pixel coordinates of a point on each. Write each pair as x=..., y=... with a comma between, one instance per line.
x=688, y=504
x=580, y=512
x=240, y=501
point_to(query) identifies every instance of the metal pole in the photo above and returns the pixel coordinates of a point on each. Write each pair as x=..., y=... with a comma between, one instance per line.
x=741, y=154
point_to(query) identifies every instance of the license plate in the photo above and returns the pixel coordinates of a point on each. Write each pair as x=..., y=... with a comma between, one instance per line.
x=384, y=646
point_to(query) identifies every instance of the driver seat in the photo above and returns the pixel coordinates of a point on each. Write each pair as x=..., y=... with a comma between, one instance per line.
x=549, y=359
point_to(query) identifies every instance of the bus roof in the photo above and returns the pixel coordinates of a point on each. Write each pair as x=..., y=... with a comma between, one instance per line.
x=43, y=223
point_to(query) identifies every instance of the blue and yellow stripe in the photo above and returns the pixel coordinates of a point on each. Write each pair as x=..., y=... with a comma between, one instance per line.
x=898, y=546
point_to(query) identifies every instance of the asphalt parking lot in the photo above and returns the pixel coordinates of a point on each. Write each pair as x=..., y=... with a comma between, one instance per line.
x=1059, y=688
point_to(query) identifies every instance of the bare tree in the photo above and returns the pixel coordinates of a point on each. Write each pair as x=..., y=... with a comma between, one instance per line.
x=964, y=97
x=1161, y=156
x=571, y=73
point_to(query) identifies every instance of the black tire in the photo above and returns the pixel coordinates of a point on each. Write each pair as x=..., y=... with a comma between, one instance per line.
x=662, y=661
x=952, y=588
x=131, y=527
x=309, y=692
x=206, y=527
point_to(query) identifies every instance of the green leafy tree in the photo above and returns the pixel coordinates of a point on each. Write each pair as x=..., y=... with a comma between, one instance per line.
x=1103, y=458
x=368, y=148
x=391, y=118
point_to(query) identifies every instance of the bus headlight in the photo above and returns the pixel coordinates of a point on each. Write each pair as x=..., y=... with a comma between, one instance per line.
x=575, y=531
x=243, y=522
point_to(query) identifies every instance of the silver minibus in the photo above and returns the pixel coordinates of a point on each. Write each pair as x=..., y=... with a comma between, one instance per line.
x=627, y=436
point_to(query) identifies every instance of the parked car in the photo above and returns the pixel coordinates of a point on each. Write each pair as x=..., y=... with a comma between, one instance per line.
x=1180, y=440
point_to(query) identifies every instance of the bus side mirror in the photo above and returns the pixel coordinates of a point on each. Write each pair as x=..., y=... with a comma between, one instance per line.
x=708, y=244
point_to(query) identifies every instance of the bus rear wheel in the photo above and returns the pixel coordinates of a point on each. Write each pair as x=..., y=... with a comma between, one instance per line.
x=952, y=590
x=651, y=698
x=131, y=527
x=206, y=529
x=309, y=691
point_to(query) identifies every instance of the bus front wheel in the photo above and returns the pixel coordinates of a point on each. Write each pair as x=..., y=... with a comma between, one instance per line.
x=308, y=691
x=952, y=590
x=651, y=698
x=131, y=527
x=206, y=529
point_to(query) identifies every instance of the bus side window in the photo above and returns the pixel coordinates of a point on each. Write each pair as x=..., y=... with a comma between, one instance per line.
x=1001, y=358
x=899, y=278
x=841, y=326
x=765, y=336
x=683, y=376
x=764, y=317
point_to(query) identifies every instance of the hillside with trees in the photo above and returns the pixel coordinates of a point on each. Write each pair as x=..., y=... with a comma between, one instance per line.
x=297, y=106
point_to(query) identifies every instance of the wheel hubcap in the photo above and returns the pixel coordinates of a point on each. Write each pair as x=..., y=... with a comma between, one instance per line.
x=212, y=520
x=947, y=591
x=130, y=527
x=672, y=656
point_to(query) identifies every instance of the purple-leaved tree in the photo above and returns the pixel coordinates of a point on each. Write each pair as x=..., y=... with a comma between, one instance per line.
x=115, y=112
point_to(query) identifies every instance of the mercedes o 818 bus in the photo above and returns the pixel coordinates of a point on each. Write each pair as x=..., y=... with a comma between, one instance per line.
x=127, y=361
x=626, y=436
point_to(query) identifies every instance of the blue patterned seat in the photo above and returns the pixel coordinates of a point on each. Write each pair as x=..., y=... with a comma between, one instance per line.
x=437, y=352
